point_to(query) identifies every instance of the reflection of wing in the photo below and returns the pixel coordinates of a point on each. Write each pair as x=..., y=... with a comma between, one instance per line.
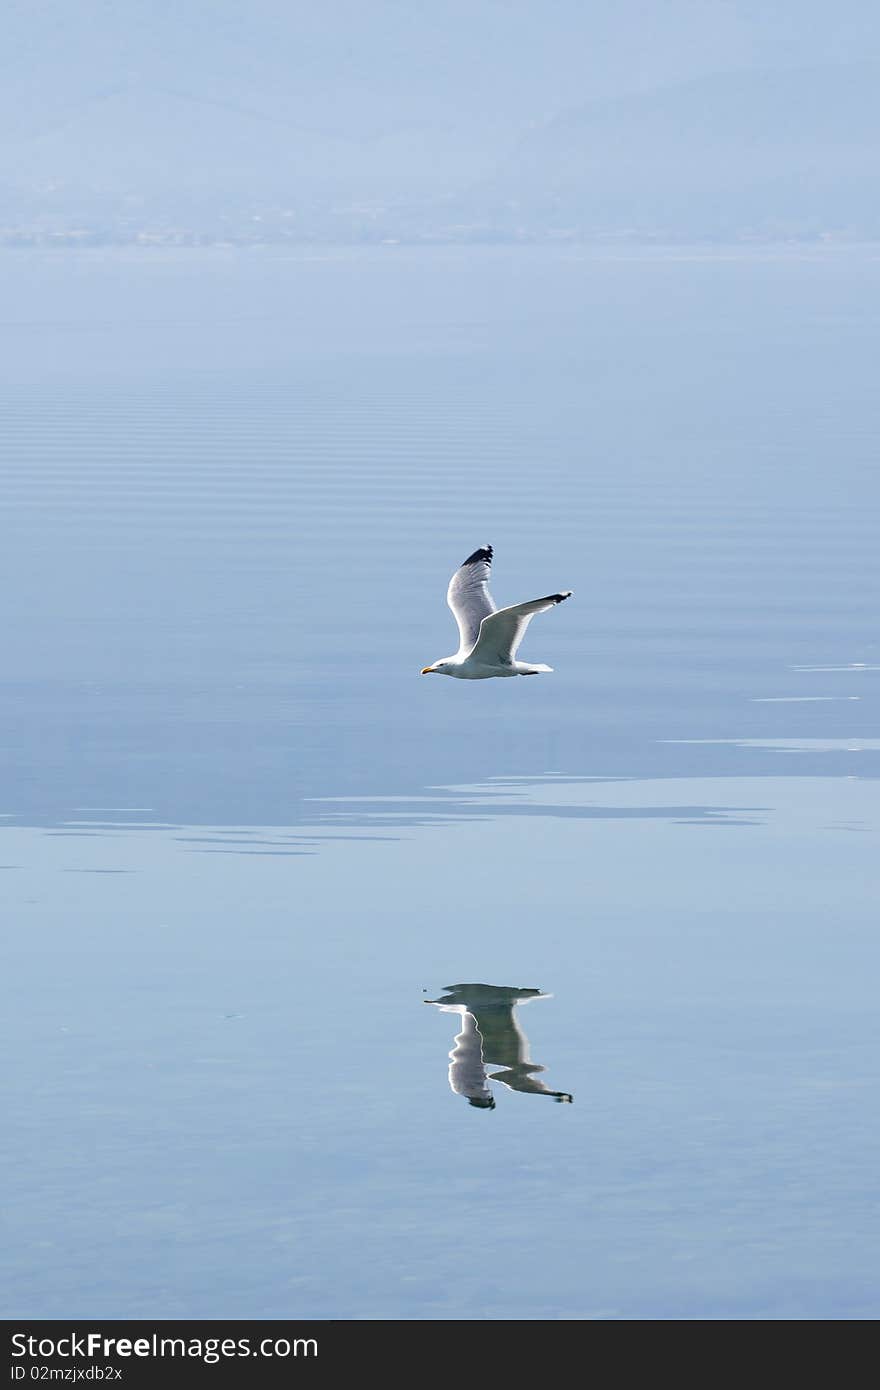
x=502, y=631
x=504, y=1042
x=467, y=1075
x=474, y=996
x=468, y=595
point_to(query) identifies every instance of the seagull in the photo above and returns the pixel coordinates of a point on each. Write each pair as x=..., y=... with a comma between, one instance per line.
x=490, y=636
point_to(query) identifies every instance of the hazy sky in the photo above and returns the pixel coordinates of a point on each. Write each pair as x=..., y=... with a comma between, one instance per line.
x=351, y=65
x=107, y=102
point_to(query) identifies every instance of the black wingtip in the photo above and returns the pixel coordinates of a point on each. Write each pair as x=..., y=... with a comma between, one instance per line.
x=559, y=598
x=481, y=556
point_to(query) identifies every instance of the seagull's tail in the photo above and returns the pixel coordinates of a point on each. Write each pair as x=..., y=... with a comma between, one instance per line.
x=535, y=670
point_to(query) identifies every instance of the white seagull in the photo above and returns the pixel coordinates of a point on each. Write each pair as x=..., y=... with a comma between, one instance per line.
x=490, y=636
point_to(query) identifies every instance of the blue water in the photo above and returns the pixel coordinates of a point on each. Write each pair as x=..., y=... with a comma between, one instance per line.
x=244, y=842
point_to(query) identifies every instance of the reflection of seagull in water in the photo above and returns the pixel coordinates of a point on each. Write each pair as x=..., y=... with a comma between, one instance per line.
x=488, y=636
x=490, y=1033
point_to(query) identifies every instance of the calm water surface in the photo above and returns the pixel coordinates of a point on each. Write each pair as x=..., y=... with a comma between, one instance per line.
x=244, y=844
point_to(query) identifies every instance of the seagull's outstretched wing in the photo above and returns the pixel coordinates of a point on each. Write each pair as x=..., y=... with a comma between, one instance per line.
x=502, y=632
x=468, y=595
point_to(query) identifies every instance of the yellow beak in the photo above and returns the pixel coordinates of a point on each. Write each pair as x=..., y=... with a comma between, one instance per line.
x=427, y=670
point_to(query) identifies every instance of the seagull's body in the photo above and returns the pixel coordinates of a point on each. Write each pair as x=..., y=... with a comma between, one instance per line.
x=489, y=636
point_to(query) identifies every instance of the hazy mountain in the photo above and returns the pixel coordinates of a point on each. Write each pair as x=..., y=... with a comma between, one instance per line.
x=770, y=151
x=484, y=117
x=138, y=140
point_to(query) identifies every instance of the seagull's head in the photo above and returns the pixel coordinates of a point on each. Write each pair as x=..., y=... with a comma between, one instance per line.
x=439, y=668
